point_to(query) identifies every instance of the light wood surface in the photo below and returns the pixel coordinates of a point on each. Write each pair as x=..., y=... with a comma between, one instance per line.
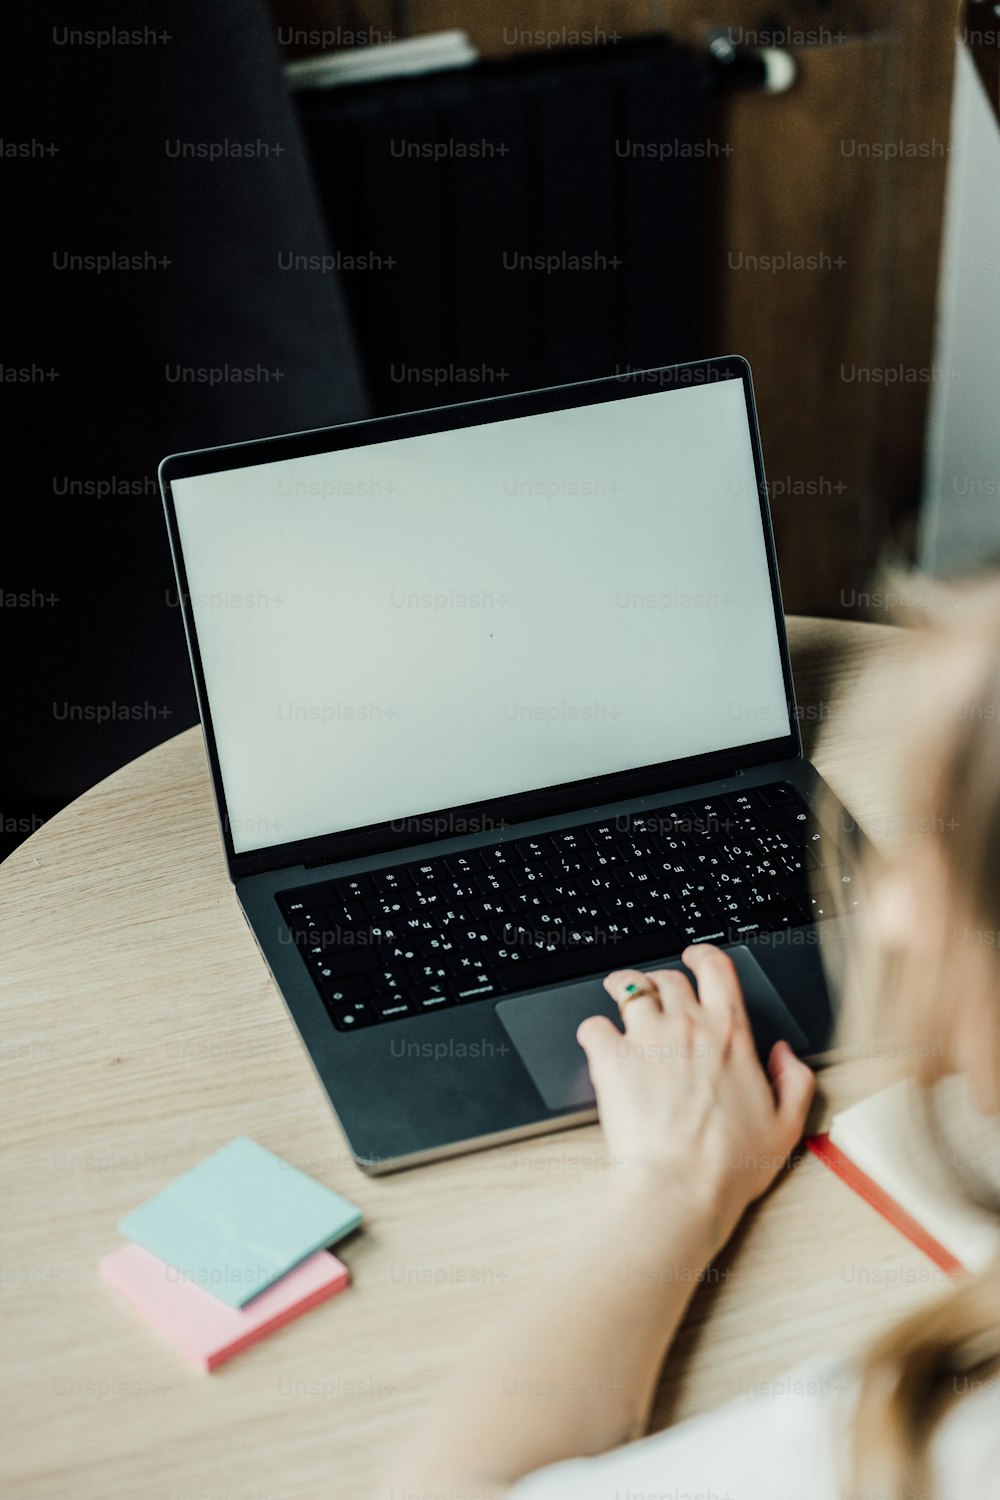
x=140, y=1032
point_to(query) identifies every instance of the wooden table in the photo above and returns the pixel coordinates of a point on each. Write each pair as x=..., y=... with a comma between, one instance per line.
x=140, y=1032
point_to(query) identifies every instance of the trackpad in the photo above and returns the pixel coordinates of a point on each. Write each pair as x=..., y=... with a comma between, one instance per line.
x=542, y=1027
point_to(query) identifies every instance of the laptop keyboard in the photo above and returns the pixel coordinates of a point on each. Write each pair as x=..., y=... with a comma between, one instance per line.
x=460, y=928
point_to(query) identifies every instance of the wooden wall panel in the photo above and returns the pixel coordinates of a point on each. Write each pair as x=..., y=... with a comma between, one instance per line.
x=797, y=202
x=918, y=118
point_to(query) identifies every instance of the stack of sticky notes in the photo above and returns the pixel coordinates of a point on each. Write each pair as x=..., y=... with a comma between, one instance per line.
x=231, y=1250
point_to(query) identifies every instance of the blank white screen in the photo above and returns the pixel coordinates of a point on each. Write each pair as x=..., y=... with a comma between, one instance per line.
x=419, y=624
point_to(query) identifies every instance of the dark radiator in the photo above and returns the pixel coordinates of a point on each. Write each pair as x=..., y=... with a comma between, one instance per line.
x=517, y=223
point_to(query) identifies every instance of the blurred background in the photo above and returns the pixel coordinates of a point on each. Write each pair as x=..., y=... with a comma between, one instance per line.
x=232, y=220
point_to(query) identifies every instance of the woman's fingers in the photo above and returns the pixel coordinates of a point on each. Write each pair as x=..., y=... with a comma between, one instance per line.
x=718, y=985
x=599, y=1039
x=794, y=1085
x=677, y=994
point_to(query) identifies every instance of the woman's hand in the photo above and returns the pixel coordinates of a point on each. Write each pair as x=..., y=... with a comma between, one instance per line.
x=698, y=1131
x=687, y=1111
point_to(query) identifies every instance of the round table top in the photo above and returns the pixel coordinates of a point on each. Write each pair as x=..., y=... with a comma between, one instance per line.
x=141, y=1032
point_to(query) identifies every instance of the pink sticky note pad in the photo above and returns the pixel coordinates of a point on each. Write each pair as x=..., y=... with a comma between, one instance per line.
x=207, y=1330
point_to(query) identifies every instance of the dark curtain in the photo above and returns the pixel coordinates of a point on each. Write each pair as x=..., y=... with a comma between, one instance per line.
x=155, y=184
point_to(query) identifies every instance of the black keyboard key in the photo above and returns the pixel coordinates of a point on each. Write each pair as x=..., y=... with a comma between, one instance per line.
x=482, y=910
x=317, y=955
x=306, y=917
x=386, y=982
x=355, y=888
x=426, y=989
x=776, y=917
x=333, y=921
x=472, y=938
x=788, y=815
x=398, y=955
x=501, y=857
x=705, y=932
x=425, y=976
x=390, y=1007
x=616, y=924
x=347, y=987
x=462, y=866
x=320, y=970
x=384, y=908
x=342, y=915
x=441, y=948
x=527, y=850
x=360, y=960
x=791, y=887
x=430, y=998
x=620, y=904
x=314, y=940
x=454, y=892
x=778, y=795
x=737, y=850
x=569, y=841
x=738, y=932
x=823, y=903
x=745, y=804
x=476, y=985
x=754, y=900
x=549, y=889
x=508, y=952
x=582, y=909
x=602, y=857
x=353, y=1017
x=794, y=862
x=312, y=897
x=425, y=970
x=387, y=881
x=709, y=828
x=708, y=861
x=664, y=930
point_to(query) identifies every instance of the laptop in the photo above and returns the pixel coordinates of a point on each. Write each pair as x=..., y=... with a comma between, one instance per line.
x=496, y=699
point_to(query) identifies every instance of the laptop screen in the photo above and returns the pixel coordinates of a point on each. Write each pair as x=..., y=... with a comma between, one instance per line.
x=444, y=619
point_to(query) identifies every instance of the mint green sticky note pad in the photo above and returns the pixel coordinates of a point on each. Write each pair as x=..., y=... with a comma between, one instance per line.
x=239, y=1220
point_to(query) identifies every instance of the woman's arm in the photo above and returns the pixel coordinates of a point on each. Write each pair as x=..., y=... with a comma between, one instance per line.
x=697, y=1132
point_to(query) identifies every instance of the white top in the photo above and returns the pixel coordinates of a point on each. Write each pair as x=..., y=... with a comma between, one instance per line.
x=785, y=1440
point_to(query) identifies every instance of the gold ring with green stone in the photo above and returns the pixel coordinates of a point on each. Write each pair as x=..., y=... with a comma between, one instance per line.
x=635, y=991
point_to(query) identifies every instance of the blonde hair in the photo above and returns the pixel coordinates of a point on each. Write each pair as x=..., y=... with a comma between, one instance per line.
x=943, y=705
